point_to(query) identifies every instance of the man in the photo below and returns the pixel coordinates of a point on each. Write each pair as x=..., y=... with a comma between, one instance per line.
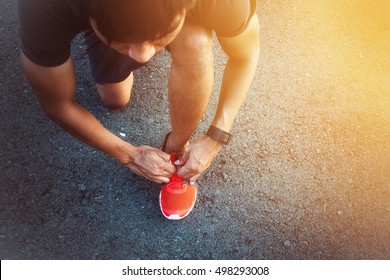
x=122, y=35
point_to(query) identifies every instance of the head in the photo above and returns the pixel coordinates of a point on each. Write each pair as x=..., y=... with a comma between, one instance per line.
x=137, y=22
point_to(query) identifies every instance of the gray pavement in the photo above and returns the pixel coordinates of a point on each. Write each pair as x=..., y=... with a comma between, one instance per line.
x=306, y=176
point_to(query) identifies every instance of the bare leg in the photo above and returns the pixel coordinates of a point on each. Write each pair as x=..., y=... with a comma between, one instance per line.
x=116, y=95
x=190, y=83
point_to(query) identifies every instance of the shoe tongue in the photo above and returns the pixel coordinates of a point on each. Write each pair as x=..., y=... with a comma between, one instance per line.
x=175, y=180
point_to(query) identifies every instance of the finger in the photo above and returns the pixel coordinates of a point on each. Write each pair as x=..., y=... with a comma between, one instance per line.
x=183, y=159
x=158, y=176
x=182, y=171
x=186, y=173
x=166, y=157
x=168, y=169
x=162, y=176
x=193, y=179
x=161, y=180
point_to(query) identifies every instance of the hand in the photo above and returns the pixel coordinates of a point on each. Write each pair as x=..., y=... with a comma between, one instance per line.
x=197, y=157
x=151, y=163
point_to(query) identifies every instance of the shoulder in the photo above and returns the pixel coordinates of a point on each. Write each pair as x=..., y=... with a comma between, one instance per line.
x=225, y=17
x=47, y=28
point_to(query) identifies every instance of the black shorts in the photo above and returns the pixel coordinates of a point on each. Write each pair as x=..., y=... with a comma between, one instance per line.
x=107, y=65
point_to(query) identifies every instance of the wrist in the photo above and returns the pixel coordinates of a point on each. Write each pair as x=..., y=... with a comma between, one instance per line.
x=123, y=152
x=172, y=144
x=219, y=135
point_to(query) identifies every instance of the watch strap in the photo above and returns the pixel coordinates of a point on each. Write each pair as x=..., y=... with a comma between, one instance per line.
x=219, y=135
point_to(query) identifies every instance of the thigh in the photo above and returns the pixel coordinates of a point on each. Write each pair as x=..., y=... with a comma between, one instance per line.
x=107, y=65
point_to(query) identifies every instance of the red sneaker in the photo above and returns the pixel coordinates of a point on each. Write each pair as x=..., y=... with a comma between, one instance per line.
x=177, y=198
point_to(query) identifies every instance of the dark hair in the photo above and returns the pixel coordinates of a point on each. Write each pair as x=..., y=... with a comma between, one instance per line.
x=136, y=20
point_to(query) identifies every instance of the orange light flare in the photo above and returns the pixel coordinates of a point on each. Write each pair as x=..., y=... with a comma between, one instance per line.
x=357, y=35
x=327, y=62
x=351, y=39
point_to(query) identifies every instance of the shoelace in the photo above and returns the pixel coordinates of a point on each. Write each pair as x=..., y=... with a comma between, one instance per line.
x=175, y=181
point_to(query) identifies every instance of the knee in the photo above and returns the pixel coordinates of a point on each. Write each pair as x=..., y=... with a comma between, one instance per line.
x=112, y=101
x=116, y=95
x=193, y=47
x=199, y=48
x=200, y=42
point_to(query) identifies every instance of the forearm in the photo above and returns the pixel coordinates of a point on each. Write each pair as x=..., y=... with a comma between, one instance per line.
x=236, y=82
x=55, y=88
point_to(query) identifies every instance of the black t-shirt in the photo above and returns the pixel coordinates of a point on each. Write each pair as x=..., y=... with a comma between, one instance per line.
x=47, y=27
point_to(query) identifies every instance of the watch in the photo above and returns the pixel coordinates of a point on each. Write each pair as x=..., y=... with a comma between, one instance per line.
x=219, y=135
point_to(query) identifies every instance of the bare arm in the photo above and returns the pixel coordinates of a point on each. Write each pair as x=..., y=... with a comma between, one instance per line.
x=243, y=52
x=55, y=90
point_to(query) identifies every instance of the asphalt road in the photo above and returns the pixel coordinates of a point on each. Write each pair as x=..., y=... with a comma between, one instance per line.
x=306, y=176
